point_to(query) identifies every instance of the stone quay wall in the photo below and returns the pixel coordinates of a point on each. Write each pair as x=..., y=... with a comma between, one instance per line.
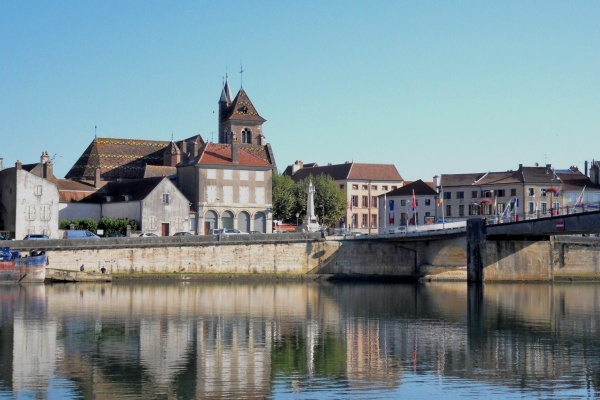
x=289, y=254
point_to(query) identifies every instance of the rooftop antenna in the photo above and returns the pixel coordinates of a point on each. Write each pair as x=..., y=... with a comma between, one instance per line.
x=171, y=136
x=241, y=75
x=95, y=135
x=212, y=134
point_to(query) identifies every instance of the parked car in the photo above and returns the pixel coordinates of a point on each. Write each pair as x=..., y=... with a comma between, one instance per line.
x=215, y=231
x=36, y=237
x=233, y=232
x=115, y=234
x=182, y=234
x=79, y=234
x=148, y=234
x=256, y=233
x=2, y=237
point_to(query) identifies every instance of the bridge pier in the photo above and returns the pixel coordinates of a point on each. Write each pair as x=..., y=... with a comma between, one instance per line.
x=475, y=243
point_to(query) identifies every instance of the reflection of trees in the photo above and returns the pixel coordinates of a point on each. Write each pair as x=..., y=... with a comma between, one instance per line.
x=290, y=356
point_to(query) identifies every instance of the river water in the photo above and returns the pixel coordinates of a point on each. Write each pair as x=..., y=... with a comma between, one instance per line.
x=198, y=340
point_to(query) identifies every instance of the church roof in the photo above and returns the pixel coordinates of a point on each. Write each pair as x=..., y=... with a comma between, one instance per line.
x=242, y=109
x=153, y=171
x=118, y=158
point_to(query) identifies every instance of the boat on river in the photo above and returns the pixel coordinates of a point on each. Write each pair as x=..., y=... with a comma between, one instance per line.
x=18, y=268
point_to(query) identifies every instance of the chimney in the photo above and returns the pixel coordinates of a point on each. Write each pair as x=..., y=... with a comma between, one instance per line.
x=18, y=165
x=585, y=167
x=234, y=150
x=44, y=157
x=97, y=178
x=48, y=173
x=435, y=181
x=298, y=165
x=195, y=148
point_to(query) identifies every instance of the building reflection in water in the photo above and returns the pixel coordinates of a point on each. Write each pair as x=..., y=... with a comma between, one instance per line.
x=255, y=340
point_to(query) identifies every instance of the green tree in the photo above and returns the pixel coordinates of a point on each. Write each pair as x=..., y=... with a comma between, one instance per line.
x=81, y=223
x=330, y=200
x=284, y=203
x=116, y=225
x=290, y=198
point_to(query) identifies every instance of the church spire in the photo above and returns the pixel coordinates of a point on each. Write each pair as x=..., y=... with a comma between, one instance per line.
x=225, y=93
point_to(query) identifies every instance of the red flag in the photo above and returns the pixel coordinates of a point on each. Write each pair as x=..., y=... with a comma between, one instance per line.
x=414, y=201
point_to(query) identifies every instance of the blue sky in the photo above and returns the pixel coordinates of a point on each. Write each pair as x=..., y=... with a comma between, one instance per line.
x=432, y=87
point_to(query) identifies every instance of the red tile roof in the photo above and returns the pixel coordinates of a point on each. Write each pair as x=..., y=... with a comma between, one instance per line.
x=220, y=154
x=351, y=171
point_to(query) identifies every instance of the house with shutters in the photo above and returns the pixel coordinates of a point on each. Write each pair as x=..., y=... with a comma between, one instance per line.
x=412, y=204
x=362, y=183
x=29, y=199
x=528, y=192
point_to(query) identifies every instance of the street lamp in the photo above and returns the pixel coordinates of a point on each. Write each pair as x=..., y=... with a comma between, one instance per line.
x=297, y=216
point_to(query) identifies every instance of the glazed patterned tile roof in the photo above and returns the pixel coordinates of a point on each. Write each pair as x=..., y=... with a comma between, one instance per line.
x=118, y=158
x=352, y=171
x=242, y=109
x=220, y=154
x=153, y=171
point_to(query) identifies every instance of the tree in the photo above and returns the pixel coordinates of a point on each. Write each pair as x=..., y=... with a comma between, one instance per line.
x=284, y=203
x=329, y=198
x=290, y=198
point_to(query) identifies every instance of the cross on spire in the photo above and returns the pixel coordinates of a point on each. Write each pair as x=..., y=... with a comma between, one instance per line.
x=241, y=75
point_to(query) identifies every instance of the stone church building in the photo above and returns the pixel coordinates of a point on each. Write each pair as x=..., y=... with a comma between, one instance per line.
x=228, y=184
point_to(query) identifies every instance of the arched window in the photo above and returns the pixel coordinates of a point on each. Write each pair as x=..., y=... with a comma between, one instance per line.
x=260, y=222
x=247, y=136
x=244, y=222
x=227, y=220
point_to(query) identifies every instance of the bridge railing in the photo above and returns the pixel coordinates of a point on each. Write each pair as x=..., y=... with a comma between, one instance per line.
x=399, y=230
x=549, y=212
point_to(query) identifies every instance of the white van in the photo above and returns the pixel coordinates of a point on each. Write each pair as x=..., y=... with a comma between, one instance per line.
x=80, y=234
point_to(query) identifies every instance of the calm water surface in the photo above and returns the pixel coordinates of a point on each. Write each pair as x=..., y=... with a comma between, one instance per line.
x=299, y=341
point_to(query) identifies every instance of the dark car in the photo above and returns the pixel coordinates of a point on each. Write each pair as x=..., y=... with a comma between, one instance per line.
x=182, y=234
x=36, y=237
x=115, y=234
x=2, y=237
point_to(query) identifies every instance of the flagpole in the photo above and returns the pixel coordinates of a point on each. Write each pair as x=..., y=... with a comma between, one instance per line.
x=385, y=214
